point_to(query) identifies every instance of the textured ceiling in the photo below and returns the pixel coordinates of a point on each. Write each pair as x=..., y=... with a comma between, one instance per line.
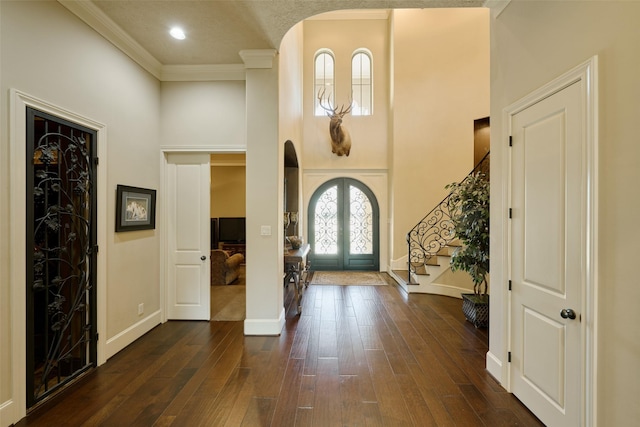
x=217, y=30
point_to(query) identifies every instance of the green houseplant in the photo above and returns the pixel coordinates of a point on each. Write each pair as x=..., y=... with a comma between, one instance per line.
x=469, y=210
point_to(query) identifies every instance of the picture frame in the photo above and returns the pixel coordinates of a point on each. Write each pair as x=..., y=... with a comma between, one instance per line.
x=135, y=208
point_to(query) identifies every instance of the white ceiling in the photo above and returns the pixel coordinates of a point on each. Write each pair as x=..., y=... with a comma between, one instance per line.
x=217, y=30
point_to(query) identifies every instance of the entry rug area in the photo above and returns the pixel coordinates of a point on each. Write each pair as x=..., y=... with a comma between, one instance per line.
x=344, y=278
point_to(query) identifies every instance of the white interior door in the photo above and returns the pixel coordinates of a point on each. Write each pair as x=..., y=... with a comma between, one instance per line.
x=548, y=245
x=188, y=213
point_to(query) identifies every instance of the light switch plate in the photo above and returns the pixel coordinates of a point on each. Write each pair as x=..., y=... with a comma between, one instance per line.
x=265, y=230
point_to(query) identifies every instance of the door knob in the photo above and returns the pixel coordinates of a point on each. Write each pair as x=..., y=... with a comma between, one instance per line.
x=203, y=257
x=568, y=313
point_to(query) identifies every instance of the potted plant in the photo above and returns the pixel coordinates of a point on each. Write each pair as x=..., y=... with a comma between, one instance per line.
x=469, y=210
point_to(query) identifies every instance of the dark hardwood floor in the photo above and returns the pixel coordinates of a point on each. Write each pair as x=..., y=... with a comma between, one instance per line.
x=358, y=356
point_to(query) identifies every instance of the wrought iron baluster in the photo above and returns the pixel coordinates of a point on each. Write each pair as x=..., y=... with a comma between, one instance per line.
x=435, y=230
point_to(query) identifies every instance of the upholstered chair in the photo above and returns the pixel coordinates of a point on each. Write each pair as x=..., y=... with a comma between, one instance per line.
x=224, y=268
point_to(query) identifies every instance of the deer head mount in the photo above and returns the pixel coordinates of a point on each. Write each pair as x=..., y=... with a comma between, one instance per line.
x=340, y=138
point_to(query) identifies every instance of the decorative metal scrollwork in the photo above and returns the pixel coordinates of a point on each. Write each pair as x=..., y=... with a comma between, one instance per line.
x=326, y=222
x=435, y=230
x=62, y=256
x=360, y=222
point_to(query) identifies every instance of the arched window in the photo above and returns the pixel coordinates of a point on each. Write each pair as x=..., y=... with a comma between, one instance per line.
x=362, y=83
x=323, y=79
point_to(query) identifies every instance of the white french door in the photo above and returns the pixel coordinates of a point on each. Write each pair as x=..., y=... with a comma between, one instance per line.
x=188, y=222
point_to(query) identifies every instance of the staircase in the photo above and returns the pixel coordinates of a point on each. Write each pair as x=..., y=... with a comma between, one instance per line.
x=430, y=245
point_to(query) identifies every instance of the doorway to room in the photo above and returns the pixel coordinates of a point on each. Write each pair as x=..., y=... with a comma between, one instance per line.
x=344, y=227
x=228, y=234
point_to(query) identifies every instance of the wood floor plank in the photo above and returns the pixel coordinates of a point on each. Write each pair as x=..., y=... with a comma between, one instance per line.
x=218, y=413
x=417, y=407
x=367, y=391
x=460, y=411
x=327, y=409
x=351, y=405
x=287, y=403
x=259, y=412
x=390, y=400
x=356, y=356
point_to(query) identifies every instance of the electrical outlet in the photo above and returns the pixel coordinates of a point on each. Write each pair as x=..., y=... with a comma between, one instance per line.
x=140, y=308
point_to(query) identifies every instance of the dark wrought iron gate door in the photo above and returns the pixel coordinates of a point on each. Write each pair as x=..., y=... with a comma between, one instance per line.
x=344, y=227
x=61, y=259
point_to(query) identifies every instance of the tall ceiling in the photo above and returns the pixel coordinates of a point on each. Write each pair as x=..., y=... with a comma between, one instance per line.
x=216, y=30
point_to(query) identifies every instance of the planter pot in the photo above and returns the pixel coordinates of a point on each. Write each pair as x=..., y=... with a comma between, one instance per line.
x=476, y=309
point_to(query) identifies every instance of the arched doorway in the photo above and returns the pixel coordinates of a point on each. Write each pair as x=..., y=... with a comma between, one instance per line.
x=344, y=231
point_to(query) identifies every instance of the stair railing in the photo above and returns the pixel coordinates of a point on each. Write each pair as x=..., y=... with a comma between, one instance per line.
x=435, y=230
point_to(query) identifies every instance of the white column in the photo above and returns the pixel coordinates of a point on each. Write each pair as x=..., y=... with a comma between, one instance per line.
x=265, y=175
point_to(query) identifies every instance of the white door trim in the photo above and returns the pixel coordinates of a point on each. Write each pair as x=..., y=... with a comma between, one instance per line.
x=587, y=74
x=17, y=220
x=163, y=208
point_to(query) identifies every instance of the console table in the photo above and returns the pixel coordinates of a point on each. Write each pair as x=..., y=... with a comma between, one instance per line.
x=296, y=269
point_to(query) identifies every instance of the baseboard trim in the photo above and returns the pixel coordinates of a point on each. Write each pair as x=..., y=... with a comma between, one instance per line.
x=400, y=263
x=129, y=335
x=271, y=327
x=7, y=416
x=437, y=289
x=494, y=367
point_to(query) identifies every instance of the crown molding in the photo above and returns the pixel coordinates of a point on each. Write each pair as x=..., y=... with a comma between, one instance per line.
x=96, y=19
x=352, y=15
x=258, y=58
x=496, y=6
x=230, y=149
x=201, y=73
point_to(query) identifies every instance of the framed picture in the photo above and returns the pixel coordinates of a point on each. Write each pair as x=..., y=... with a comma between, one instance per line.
x=135, y=208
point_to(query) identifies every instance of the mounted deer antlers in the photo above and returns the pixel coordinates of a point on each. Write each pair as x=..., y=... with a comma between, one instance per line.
x=340, y=138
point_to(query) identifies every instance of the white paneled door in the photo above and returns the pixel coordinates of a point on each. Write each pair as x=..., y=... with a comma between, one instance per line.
x=548, y=203
x=188, y=222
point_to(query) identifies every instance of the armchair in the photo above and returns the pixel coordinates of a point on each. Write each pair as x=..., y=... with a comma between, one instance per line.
x=224, y=268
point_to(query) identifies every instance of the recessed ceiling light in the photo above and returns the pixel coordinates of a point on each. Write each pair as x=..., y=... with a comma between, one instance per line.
x=177, y=33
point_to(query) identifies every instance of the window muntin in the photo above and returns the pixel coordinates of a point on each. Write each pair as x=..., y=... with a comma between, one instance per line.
x=323, y=79
x=362, y=83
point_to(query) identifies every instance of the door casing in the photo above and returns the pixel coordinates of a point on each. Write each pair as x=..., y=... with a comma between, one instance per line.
x=19, y=101
x=585, y=73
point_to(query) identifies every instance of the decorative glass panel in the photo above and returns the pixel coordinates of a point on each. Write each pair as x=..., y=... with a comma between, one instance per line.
x=360, y=222
x=361, y=84
x=323, y=80
x=326, y=222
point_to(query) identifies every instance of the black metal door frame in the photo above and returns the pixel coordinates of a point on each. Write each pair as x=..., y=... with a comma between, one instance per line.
x=343, y=260
x=61, y=235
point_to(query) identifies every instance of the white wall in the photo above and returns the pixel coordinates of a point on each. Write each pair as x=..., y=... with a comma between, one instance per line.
x=369, y=149
x=291, y=118
x=431, y=81
x=49, y=54
x=532, y=43
x=203, y=114
x=440, y=86
x=368, y=161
